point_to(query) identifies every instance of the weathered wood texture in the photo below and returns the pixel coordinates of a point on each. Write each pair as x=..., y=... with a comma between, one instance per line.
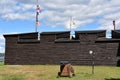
x=53, y=47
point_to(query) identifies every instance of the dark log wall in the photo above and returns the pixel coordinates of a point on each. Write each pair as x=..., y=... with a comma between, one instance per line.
x=116, y=34
x=11, y=49
x=54, y=47
x=107, y=53
x=118, y=54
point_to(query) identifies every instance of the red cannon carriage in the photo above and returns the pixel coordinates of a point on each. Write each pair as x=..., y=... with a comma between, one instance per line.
x=66, y=69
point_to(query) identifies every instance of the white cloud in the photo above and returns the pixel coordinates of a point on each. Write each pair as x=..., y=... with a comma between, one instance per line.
x=12, y=10
x=108, y=24
x=57, y=13
x=113, y=16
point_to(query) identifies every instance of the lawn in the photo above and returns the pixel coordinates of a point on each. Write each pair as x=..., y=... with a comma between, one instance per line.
x=49, y=72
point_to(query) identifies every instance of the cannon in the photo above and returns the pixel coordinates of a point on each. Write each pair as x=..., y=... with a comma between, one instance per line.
x=66, y=69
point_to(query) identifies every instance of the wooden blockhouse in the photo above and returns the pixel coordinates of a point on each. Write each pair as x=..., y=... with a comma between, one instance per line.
x=53, y=47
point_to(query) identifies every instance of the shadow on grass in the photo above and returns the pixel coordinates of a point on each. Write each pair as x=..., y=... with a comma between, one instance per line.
x=113, y=79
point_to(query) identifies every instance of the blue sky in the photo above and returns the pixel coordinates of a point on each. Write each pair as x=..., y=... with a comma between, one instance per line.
x=18, y=16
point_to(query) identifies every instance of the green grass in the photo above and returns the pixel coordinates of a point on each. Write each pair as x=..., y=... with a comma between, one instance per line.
x=49, y=72
x=1, y=63
x=12, y=77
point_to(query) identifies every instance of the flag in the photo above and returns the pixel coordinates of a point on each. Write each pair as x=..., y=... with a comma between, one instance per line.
x=37, y=23
x=37, y=14
x=72, y=22
x=38, y=9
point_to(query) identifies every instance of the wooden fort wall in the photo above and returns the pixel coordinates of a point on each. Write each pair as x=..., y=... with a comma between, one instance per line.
x=53, y=47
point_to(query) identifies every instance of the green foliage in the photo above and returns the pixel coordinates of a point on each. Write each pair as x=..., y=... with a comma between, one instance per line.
x=2, y=54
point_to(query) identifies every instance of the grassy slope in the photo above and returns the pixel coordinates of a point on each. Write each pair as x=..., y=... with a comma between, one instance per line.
x=49, y=72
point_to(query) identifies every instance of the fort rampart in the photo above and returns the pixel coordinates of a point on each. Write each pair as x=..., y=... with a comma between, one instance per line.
x=53, y=47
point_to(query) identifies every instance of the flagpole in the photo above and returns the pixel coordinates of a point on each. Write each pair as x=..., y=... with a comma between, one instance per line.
x=114, y=24
x=70, y=27
x=36, y=28
x=36, y=19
